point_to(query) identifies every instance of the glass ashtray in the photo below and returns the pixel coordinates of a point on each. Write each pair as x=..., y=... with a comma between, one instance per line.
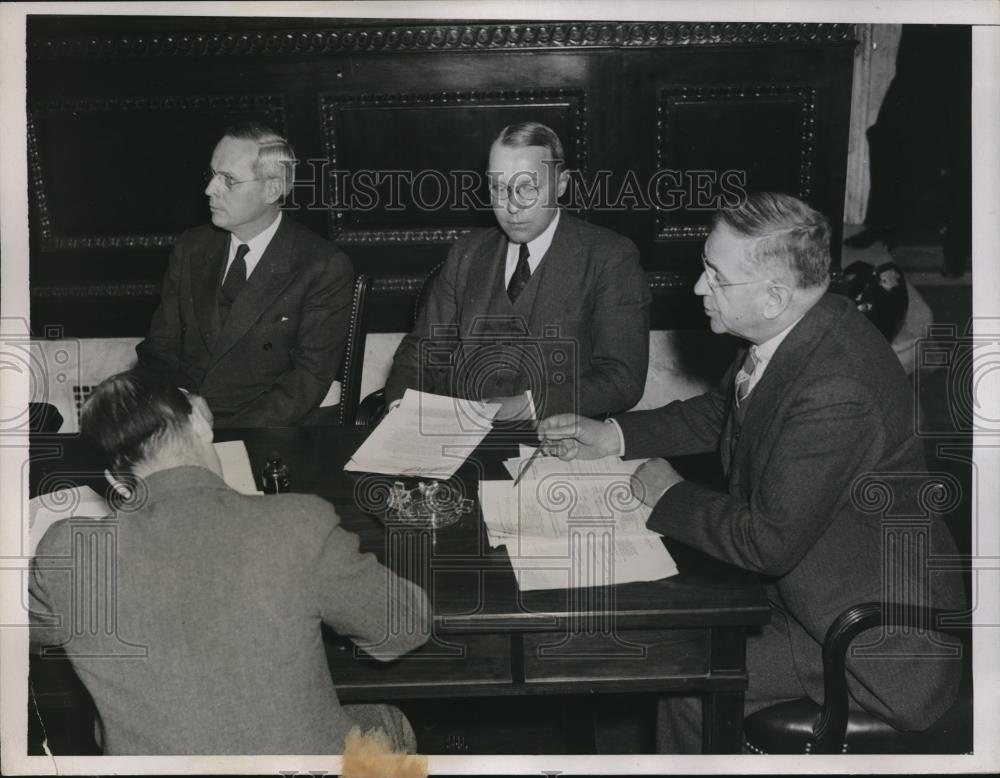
x=432, y=505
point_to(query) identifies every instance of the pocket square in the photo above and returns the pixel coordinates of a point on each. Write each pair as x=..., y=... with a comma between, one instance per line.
x=283, y=318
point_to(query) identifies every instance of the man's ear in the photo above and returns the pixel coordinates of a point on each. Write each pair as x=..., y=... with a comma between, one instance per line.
x=562, y=182
x=201, y=422
x=274, y=190
x=777, y=301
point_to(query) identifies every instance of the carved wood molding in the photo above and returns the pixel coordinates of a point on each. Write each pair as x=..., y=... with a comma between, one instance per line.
x=404, y=285
x=803, y=96
x=331, y=104
x=271, y=105
x=428, y=37
x=670, y=281
x=114, y=289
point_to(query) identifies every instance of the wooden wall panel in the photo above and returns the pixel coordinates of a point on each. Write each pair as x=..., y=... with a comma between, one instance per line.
x=124, y=112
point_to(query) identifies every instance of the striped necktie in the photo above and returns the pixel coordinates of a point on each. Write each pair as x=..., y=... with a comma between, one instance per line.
x=522, y=274
x=745, y=374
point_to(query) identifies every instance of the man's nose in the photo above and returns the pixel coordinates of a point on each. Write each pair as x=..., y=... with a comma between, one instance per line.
x=701, y=287
x=513, y=206
x=213, y=186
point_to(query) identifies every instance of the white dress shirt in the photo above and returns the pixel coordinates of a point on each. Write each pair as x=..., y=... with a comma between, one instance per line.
x=536, y=251
x=258, y=244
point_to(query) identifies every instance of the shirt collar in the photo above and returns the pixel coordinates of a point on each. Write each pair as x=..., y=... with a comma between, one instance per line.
x=538, y=246
x=766, y=349
x=258, y=245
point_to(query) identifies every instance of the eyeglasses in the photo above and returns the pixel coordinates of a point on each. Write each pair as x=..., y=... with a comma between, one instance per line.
x=227, y=180
x=523, y=194
x=712, y=277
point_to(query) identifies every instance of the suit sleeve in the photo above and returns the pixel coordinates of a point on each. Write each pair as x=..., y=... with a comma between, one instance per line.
x=830, y=434
x=440, y=309
x=160, y=352
x=384, y=614
x=49, y=588
x=616, y=375
x=682, y=427
x=316, y=355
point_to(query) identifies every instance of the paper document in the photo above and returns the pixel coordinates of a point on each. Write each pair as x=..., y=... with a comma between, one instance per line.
x=573, y=530
x=545, y=465
x=583, y=559
x=46, y=509
x=425, y=435
x=236, y=470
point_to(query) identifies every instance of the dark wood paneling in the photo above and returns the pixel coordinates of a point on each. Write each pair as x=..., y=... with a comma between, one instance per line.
x=124, y=111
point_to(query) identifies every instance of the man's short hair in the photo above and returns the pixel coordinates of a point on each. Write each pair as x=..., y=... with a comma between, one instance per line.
x=524, y=134
x=785, y=233
x=131, y=414
x=275, y=155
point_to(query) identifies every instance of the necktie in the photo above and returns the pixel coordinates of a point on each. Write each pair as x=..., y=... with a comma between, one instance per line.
x=522, y=274
x=745, y=374
x=235, y=279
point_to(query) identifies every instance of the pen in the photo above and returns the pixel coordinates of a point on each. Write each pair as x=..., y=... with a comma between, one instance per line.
x=527, y=464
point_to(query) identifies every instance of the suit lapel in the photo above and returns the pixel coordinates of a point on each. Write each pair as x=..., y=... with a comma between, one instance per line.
x=265, y=284
x=561, y=262
x=485, y=279
x=783, y=369
x=206, y=280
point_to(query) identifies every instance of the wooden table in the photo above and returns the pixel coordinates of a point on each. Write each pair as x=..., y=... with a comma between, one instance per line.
x=686, y=633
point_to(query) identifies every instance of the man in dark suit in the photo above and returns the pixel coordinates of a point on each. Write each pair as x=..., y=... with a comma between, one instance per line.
x=210, y=640
x=545, y=302
x=817, y=406
x=255, y=308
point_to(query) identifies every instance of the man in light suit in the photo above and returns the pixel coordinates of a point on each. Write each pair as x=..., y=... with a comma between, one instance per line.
x=545, y=302
x=255, y=308
x=817, y=405
x=196, y=624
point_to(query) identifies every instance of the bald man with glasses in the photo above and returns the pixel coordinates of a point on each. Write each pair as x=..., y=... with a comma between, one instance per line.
x=816, y=404
x=255, y=308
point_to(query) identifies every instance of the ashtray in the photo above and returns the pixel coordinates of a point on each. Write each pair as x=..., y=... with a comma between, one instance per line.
x=432, y=505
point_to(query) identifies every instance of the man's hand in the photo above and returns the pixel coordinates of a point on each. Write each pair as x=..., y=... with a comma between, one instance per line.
x=569, y=436
x=651, y=481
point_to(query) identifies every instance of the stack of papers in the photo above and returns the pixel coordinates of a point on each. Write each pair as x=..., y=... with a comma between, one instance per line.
x=544, y=465
x=565, y=529
x=426, y=435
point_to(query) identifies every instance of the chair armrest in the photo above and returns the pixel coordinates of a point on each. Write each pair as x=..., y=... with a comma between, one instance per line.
x=371, y=410
x=828, y=736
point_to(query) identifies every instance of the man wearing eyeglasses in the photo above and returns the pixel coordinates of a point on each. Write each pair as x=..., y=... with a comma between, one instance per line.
x=816, y=404
x=255, y=308
x=546, y=303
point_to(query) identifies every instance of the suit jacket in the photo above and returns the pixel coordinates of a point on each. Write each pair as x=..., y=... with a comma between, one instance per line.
x=578, y=336
x=212, y=641
x=827, y=431
x=276, y=356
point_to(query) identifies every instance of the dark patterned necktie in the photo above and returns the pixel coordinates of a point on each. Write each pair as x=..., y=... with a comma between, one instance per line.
x=522, y=274
x=745, y=374
x=235, y=279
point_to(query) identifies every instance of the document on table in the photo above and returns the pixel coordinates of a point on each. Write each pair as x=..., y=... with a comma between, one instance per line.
x=545, y=465
x=584, y=560
x=426, y=435
x=46, y=509
x=236, y=470
x=565, y=531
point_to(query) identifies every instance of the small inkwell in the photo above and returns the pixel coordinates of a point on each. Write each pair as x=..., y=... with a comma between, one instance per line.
x=274, y=477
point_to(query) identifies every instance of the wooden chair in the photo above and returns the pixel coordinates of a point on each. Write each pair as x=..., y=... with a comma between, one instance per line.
x=803, y=727
x=373, y=407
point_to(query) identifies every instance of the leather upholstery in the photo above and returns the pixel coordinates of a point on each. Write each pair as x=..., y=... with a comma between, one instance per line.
x=787, y=728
